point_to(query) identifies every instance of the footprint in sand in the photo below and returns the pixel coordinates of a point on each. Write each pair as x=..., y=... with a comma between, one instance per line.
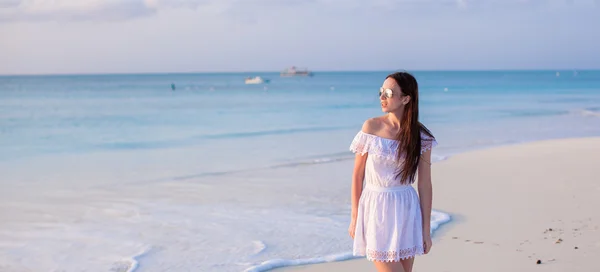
x=468, y=240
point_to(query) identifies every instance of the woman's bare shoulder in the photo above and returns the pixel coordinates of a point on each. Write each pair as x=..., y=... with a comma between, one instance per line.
x=373, y=125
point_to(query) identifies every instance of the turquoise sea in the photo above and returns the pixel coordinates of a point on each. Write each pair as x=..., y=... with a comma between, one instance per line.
x=122, y=173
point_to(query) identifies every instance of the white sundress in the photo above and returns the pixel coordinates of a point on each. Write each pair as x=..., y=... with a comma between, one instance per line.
x=389, y=222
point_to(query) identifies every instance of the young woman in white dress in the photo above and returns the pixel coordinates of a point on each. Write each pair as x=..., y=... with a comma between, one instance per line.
x=390, y=223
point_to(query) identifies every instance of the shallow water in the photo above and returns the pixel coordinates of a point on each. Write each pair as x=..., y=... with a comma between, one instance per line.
x=119, y=172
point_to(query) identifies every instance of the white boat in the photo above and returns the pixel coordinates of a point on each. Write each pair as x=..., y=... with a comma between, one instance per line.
x=256, y=80
x=293, y=71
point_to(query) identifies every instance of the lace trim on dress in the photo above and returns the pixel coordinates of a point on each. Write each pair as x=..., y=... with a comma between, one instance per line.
x=427, y=143
x=385, y=148
x=393, y=256
x=375, y=146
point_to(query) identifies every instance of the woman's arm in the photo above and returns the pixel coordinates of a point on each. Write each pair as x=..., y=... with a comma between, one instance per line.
x=425, y=193
x=358, y=175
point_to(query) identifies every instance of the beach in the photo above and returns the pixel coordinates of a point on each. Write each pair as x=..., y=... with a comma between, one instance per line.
x=122, y=173
x=511, y=207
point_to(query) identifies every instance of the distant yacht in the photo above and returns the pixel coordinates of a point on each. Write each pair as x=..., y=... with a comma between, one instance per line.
x=256, y=80
x=293, y=71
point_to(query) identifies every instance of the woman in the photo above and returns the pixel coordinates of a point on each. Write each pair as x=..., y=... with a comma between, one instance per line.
x=390, y=223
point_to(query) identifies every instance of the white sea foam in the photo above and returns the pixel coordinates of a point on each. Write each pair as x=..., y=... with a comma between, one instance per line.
x=342, y=157
x=437, y=219
x=135, y=260
x=259, y=246
x=277, y=263
x=588, y=112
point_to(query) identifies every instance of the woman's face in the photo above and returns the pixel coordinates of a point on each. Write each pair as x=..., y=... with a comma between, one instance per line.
x=391, y=97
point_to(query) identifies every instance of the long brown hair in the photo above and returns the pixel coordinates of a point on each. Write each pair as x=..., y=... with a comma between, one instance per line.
x=409, y=137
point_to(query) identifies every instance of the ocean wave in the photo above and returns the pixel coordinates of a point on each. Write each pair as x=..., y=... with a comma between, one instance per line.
x=346, y=106
x=437, y=219
x=337, y=157
x=230, y=135
x=130, y=264
x=139, y=145
x=277, y=263
x=587, y=112
x=182, y=142
x=230, y=172
x=438, y=158
x=331, y=158
x=532, y=112
x=259, y=247
x=135, y=260
x=321, y=160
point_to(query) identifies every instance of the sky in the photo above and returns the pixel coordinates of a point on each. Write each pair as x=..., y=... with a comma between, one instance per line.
x=156, y=36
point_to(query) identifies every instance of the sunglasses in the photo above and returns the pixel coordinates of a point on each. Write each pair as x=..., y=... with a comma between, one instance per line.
x=387, y=91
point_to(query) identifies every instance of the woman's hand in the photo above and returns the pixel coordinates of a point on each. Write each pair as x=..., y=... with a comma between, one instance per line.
x=427, y=242
x=352, y=227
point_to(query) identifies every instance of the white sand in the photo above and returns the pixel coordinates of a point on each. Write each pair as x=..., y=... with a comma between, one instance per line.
x=504, y=201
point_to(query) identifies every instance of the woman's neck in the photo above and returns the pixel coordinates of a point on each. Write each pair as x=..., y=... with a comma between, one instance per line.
x=394, y=118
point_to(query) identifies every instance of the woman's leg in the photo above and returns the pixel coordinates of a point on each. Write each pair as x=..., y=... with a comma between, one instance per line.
x=408, y=264
x=389, y=266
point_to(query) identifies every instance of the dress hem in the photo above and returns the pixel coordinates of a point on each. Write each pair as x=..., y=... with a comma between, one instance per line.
x=372, y=255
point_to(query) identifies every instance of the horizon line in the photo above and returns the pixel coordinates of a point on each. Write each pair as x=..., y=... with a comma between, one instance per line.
x=313, y=71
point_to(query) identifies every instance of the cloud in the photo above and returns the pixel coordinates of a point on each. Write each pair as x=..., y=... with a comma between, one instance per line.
x=107, y=10
x=68, y=10
x=73, y=10
x=9, y=3
x=103, y=10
